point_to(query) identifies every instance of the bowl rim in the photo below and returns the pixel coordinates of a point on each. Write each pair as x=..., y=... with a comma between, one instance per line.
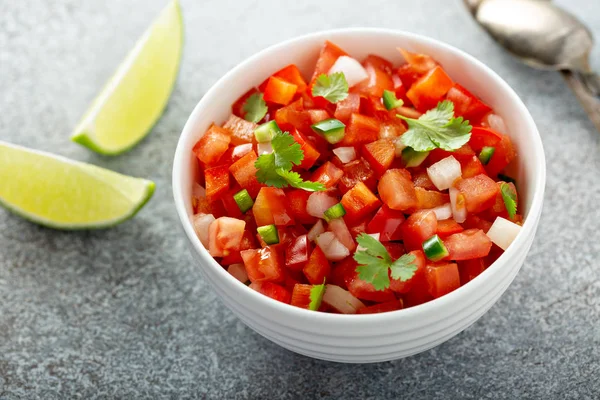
x=528, y=229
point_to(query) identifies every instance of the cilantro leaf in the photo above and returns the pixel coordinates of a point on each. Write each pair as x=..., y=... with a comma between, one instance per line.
x=334, y=87
x=375, y=263
x=404, y=268
x=437, y=128
x=275, y=169
x=295, y=180
x=255, y=108
x=510, y=199
x=316, y=295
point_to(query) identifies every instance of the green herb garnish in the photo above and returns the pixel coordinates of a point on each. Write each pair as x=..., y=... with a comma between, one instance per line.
x=510, y=199
x=332, y=87
x=255, y=108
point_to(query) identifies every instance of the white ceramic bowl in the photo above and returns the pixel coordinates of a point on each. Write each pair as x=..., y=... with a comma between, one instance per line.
x=376, y=337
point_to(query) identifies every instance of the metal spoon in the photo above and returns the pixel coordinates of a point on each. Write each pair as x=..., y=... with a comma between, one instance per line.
x=544, y=36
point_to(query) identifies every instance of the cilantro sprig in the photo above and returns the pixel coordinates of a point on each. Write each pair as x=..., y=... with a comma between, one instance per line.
x=437, y=128
x=510, y=199
x=332, y=87
x=255, y=108
x=376, y=264
x=316, y=296
x=275, y=169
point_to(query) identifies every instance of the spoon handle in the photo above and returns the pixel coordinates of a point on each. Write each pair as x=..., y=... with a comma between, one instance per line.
x=591, y=104
x=591, y=80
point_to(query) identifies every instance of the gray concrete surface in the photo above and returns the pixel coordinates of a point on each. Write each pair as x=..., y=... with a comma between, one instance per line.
x=124, y=313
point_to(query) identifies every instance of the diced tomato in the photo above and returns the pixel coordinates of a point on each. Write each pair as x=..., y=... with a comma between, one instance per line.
x=357, y=227
x=327, y=174
x=476, y=222
x=311, y=155
x=292, y=74
x=472, y=167
x=469, y=244
x=480, y=192
x=397, y=190
x=408, y=75
x=366, y=291
x=287, y=234
x=225, y=236
x=217, y=182
x=421, y=179
x=329, y=54
x=317, y=269
x=387, y=223
x=293, y=116
x=430, y=89
x=238, y=107
x=379, y=62
x=483, y=137
x=297, y=200
x=297, y=254
x=462, y=154
x=373, y=107
x=248, y=242
x=399, y=286
x=361, y=129
x=420, y=62
x=442, y=279
x=279, y=91
x=359, y=202
x=244, y=172
x=345, y=108
x=495, y=253
x=419, y=292
x=503, y=155
x=418, y=227
x=427, y=199
x=263, y=265
x=470, y=269
x=357, y=171
x=233, y=210
x=343, y=272
x=466, y=104
x=395, y=249
x=448, y=227
x=212, y=145
x=379, y=154
x=242, y=131
x=318, y=115
x=400, y=88
x=270, y=207
x=388, y=306
x=378, y=80
x=301, y=295
x=499, y=207
x=272, y=290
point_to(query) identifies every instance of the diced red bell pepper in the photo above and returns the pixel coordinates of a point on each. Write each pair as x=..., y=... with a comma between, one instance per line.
x=378, y=80
x=270, y=207
x=466, y=104
x=345, y=108
x=472, y=167
x=470, y=269
x=357, y=171
x=418, y=227
x=217, y=182
x=272, y=290
x=442, y=279
x=397, y=190
x=503, y=155
x=421, y=63
x=476, y=222
x=480, y=192
x=366, y=291
x=311, y=155
x=232, y=208
x=301, y=295
x=343, y=272
x=379, y=154
x=212, y=145
x=399, y=286
x=462, y=154
x=430, y=89
x=408, y=75
x=387, y=223
x=472, y=243
x=244, y=172
x=242, y=131
x=225, y=236
x=447, y=227
x=373, y=107
x=248, y=242
x=279, y=91
x=327, y=174
x=292, y=74
x=329, y=54
x=318, y=115
x=238, y=107
x=388, y=306
x=400, y=89
x=359, y=202
x=263, y=265
x=483, y=137
x=361, y=129
x=297, y=201
x=298, y=253
x=395, y=249
x=317, y=269
x=293, y=116
x=357, y=227
x=427, y=199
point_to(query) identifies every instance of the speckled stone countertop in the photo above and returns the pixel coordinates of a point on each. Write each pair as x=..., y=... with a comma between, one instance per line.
x=124, y=312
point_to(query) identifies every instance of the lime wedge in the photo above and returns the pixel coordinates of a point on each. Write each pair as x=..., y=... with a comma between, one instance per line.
x=136, y=95
x=65, y=194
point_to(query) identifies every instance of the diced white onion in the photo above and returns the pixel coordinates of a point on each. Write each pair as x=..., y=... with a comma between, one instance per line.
x=241, y=150
x=333, y=249
x=399, y=146
x=198, y=191
x=238, y=271
x=264, y=148
x=345, y=154
x=201, y=223
x=353, y=71
x=373, y=235
x=408, y=112
x=459, y=212
x=341, y=300
x=342, y=233
x=318, y=203
x=496, y=123
x=503, y=232
x=443, y=212
x=444, y=172
x=316, y=230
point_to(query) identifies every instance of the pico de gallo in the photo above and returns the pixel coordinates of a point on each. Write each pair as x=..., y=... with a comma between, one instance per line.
x=366, y=187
